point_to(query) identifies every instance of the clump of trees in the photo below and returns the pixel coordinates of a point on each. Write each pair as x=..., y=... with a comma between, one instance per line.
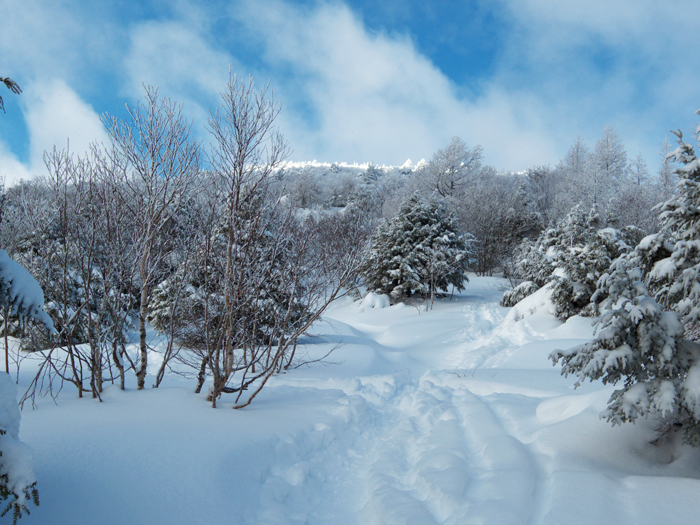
x=646, y=296
x=573, y=255
x=227, y=270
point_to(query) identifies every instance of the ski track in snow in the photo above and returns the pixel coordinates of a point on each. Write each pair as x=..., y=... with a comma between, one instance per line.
x=435, y=466
x=443, y=455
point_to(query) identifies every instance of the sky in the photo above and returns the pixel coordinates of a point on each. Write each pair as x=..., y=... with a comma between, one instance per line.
x=360, y=80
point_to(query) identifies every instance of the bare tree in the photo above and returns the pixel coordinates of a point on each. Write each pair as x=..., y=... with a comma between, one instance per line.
x=450, y=170
x=162, y=161
x=263, y=276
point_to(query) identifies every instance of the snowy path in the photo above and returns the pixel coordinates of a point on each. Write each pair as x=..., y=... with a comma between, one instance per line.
x=436, y=466
x=453, y=416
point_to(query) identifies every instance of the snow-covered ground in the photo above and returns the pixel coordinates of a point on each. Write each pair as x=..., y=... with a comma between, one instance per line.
x=449, y=416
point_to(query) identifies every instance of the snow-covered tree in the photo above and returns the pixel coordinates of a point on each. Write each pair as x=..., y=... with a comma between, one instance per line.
x=421, y=250
x=17, y=480
x=161, y=161
x=543, y=185
x=21, y=296
x=575, y=169
x=667, y=178
x=645, y=297
x=675, y=280
x=639, y=344
x=499, y=212
x=451, y=168
x=609, y=166
x=372, y=174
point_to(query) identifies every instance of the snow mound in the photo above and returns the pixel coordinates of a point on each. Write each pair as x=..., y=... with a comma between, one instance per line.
x=563, y=407
x=540, y=301
x=375, y=300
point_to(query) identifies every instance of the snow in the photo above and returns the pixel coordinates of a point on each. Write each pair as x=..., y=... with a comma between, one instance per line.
x=24, y=295
x=375, y=300
x=453, y=415
x=17, y=457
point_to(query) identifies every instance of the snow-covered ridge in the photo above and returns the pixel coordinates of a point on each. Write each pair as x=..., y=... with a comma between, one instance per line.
x=363, y=166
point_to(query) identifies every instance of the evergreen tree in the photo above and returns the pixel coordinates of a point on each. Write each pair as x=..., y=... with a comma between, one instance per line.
x=419, y=251
x=12, y=86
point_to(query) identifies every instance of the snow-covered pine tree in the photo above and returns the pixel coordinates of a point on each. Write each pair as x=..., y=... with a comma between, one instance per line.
x=675, y=279
x=20, y=296
x=646, y=294
x=636, y=342
x=421, y=250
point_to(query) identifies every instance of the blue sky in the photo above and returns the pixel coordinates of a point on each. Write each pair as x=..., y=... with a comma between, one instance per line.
x=360, y=81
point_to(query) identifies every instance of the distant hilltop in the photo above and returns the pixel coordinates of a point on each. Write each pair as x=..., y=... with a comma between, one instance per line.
x=347, y=167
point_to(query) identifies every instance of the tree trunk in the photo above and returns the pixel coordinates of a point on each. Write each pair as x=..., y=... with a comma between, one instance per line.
x=141, y=374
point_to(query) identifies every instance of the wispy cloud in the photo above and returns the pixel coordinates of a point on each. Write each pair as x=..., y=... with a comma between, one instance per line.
x=176, y=58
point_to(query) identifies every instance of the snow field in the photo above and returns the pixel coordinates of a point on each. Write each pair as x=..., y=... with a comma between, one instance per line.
x=449, y=416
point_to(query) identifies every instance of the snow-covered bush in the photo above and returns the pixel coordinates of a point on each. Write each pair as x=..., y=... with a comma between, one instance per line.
x=17, y=481
x=574, y=255
x=645, y=297
x=421, y=250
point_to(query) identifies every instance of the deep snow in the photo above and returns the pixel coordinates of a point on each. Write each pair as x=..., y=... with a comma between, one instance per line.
x=449, y=416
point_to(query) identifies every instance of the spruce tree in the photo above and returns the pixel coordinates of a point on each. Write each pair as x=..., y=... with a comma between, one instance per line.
x=421, y=250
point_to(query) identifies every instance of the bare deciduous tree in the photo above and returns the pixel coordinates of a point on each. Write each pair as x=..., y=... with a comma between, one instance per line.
x=162, y=161
x=450, y=170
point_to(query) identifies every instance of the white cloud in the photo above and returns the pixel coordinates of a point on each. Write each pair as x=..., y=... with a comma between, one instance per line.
x=11, y=169
x=629, y=63
x=54, y=115
x=176, y=58
x=41, y=39
x=375, y=97
x=350, y=94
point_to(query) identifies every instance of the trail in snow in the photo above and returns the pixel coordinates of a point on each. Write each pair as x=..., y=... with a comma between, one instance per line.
x=472, y=437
